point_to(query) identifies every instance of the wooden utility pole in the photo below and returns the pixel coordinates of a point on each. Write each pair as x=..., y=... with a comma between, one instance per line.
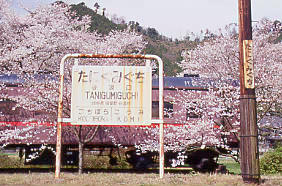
x=249, y=153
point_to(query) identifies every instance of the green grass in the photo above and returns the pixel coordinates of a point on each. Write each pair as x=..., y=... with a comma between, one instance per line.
x=10, y=161
x=232, y=166
x=145, y=179
x=100, y=162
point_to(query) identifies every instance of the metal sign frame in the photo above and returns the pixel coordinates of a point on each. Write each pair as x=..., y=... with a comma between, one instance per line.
x=61, y=120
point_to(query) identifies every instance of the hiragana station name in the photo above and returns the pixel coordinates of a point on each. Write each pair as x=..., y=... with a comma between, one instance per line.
x=113, y=76
x=249, y=74
x=108, y=95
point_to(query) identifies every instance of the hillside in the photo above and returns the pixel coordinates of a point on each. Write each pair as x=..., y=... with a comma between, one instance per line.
x=166, y=48
x=169, y=51
x=98, y=22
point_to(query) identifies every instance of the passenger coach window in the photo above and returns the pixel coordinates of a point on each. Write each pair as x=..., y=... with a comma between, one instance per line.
x=191, y=113
x=168, y=109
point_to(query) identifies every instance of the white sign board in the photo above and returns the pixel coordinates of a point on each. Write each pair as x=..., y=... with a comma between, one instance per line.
x=111, y=95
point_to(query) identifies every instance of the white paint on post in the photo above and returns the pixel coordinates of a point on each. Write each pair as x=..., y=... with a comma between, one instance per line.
x=161, y=115
x=59, y=123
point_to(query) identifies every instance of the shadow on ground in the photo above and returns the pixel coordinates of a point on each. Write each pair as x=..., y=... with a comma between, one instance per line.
x=74, y=170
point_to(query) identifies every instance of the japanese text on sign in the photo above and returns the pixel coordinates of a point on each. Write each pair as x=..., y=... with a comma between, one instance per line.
x=249, y=74
x=106, y=95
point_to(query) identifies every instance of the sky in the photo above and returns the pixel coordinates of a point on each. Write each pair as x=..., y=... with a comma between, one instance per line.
x=177, y=18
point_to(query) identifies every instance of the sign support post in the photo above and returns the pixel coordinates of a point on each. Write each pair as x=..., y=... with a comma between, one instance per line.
x=249, y=152
x=60, y=103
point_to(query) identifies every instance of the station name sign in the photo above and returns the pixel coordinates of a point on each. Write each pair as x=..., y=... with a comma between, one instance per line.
x=249, y=74
x=111, y=95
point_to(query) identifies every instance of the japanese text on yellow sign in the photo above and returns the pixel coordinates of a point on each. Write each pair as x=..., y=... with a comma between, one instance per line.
x=249, y=74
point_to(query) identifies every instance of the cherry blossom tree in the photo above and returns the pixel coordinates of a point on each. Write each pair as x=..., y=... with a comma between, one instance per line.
x=32, y=47
x=217, y=58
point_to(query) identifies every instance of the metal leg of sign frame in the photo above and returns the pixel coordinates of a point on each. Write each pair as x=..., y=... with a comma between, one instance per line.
x=60, y=103
x=161, y=153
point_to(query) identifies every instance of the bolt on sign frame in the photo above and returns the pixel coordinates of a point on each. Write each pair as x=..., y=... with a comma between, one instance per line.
x=61, y=120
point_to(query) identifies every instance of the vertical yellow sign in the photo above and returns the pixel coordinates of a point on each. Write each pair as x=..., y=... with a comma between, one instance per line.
x=249, y=74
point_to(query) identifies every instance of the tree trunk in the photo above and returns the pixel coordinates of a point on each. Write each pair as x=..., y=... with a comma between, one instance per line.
x=82, y=140
x=80, y=157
